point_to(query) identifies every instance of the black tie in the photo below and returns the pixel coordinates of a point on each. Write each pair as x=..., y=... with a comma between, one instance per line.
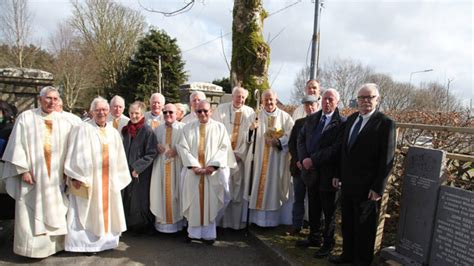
x=355, y=132
x=317, y=134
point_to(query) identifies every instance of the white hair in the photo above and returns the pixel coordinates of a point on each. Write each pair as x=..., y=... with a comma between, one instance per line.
x=47, y=89
x=117, y=98
x=235, y=89
x=270, y=92
x=334, y=91
x=200, y=94
x=159, y=95
x=97, y=100
x=370, y=86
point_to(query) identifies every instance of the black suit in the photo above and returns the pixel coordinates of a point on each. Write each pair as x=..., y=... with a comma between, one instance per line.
x=324, y=156
x=364, y=167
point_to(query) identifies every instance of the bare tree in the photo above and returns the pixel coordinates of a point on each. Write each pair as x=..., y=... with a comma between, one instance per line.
x=346, y=76
x=111, y=31
x=299, y=85
x=432, y=96
x=394, y=95
x=74, y=66
x=15, y=19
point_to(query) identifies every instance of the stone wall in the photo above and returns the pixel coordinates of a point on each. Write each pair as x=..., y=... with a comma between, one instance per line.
x=20, y=86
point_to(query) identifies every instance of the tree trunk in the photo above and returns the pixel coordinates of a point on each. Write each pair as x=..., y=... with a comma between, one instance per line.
x=250, y=53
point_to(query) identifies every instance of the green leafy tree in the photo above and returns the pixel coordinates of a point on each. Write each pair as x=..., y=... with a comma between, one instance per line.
x=224, y=83
x=141, y=79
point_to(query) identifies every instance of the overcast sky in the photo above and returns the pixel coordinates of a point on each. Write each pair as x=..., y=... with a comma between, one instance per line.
x=393, y=37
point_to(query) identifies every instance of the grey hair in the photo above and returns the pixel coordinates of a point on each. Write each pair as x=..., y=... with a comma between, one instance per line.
x=117, y=98
x=47, y=89
x=140, y=105
x=334, y=91
x=200, y=94
x=271, y=92
x=235, y=89
x=159, y=95
x=370, y=86
x=97, y=100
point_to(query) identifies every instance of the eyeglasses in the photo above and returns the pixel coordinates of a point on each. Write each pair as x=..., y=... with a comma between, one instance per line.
x=362, y=98
x=202, y=111
x=168, y=112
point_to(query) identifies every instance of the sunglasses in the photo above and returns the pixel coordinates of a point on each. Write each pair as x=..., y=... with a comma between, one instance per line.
x=168, y=112
x=202, y=111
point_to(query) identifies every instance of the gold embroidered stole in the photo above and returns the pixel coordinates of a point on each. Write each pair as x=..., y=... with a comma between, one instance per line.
x=169, y=209
x=115, y=122
x=202, y=162
x=47, y=146
x=263, y=174
x=235, y=130
x=105, y=178
x=154, y=123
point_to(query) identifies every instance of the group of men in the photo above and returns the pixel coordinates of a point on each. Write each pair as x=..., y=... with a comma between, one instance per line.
x=79, y=185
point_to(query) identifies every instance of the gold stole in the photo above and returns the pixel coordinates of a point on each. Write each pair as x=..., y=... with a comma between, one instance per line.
x=154, y=123
x=115, y=122
x=235, y=130
x=105, y=178
x=47, y=148
x=263, y=174
x=169, y=209
x=202, y=161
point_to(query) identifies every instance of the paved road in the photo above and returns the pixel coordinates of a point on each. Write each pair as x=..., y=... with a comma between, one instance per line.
x=231, y=248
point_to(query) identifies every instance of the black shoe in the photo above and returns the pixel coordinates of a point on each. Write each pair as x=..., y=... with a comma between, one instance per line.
x=308, y=243
x=293, y=231
x=208, y=242
x=187, y=239
x=341, y=259
x=324, y=251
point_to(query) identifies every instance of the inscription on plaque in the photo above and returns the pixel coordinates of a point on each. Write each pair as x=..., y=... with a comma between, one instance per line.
x=454, y=228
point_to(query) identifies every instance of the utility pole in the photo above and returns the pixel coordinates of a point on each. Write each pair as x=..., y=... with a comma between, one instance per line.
x=447, y=95
x=159, y=73
x=312, y=70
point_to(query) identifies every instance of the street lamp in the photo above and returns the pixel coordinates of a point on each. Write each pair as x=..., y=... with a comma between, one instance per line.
x=420, y=71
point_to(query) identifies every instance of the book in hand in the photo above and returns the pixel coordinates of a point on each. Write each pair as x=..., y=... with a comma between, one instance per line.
x=82, y=191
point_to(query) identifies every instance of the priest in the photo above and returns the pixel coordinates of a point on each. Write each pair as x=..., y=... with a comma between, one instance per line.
x=235, y=115
x=116, y=116
x=165, y=196
x=270, y=179
x=194, y=99
x=154, y=118
x=97, y=171
x=207, y=155
x=33, y=174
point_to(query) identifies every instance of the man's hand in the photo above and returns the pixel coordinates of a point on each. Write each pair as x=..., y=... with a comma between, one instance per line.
x=28, y=178
x=170, y=153
x=134, y=174
x=210, y=170
x=299, y=165
x=254, y=125
x=76, y=184
x=374, y=196
x=307, y=163
x=335, y=183
x=161, y=148
x=199, y=171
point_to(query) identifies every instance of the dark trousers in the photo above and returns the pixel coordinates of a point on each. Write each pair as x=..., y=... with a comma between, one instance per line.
x=359, y=225
x=322, y=202
x=299, y=190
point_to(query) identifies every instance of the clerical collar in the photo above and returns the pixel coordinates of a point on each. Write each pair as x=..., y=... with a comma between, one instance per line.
x=100, y=125
x=272, y=113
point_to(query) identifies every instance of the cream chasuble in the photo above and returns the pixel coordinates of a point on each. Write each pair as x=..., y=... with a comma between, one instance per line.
x=38, y=145
x=165, y=200
x=118, y=123
x=271, y=176
x=237, y=122
x=191, y=117
x=96, y=157
x=202, y=146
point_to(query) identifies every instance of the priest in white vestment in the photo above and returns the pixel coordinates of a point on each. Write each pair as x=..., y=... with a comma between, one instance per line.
x=270, y=188
x=165, y=194
x=154, y=117
x=312, y=88
x=33, y=172
x=73, y=119
x=194, y=99
x=235, y=116
x=97, y=170
x=207, y=157
x=116, y=116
